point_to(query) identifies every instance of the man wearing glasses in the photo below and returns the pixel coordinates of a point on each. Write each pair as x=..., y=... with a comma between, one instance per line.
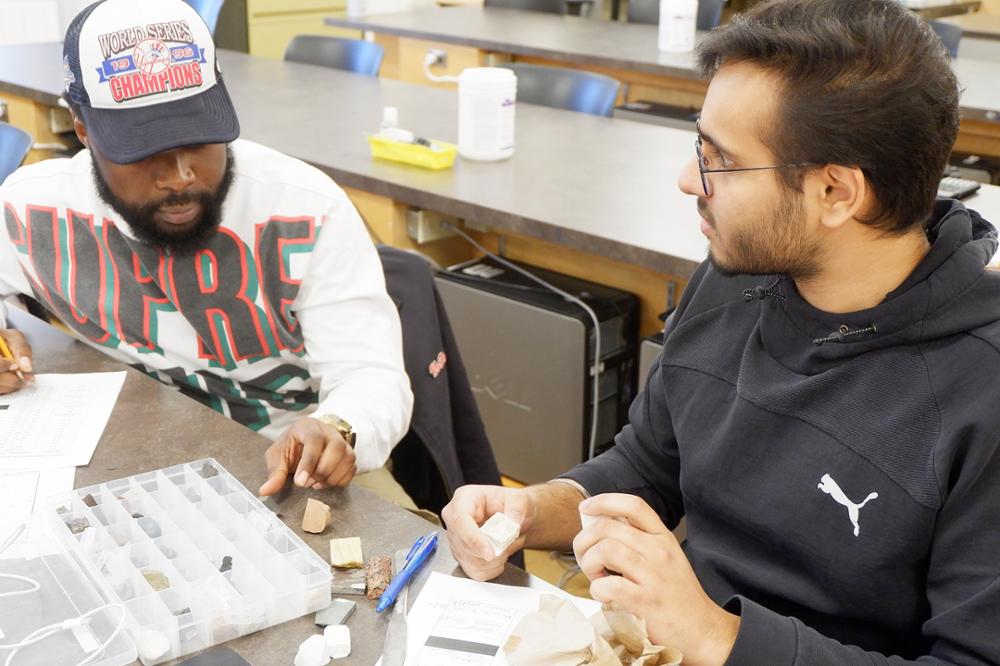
x=821, y=411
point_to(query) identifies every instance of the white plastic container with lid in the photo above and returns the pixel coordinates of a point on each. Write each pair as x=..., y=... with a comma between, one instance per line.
x=678, y=22
x=390, y=118
x=486, y=98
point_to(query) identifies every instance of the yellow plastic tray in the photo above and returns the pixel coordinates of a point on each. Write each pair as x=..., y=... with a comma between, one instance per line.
x=412, y=153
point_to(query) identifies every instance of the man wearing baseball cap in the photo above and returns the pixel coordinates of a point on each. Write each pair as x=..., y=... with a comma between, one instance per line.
x=241, y=276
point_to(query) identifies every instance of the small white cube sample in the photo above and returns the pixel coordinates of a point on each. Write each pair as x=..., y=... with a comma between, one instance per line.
x=338, y=640
x=501, y=532
x=586, y=520
x=313, y=652
x=152, y=645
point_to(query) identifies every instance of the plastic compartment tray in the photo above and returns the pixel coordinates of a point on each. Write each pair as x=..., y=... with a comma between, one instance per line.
x=63, y=594
x=232, y=567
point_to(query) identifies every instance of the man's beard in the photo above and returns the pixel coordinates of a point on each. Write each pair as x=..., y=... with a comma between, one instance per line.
x=769, y=246
x=145, y=228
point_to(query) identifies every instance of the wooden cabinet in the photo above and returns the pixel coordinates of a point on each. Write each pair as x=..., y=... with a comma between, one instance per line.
x=271, y=24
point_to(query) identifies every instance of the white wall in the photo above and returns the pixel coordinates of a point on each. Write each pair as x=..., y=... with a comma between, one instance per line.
x=25, y=21
x=67, y=10
x=29, y=21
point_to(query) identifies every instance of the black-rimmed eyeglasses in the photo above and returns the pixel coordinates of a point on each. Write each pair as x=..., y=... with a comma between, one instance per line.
x=704, y=169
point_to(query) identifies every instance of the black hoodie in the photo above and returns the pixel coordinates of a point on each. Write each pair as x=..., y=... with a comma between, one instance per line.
x=839, y=473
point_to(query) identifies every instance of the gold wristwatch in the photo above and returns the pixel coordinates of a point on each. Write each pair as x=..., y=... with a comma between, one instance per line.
x=341, y=426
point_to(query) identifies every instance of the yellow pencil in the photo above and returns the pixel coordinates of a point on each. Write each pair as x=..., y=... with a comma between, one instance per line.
x=6, y=353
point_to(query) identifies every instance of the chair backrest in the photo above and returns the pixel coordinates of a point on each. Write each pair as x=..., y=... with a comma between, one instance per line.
x=208, y=10
x=950, y=35
x=446, y=446
x=548, y=6
x=644, y=11
x=562, y=88
x=353, y=55
x=648, y=11
x=14, y=146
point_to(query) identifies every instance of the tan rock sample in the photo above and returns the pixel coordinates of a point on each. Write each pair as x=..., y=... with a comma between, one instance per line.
x=346, y=553
x=316, y=517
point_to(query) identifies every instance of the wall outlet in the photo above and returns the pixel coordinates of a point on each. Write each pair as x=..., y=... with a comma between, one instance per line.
x=424, y=226
x=60, y=120
x=437, y=57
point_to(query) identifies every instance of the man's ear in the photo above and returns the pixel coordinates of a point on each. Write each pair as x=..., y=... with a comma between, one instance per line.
x=843, y=194
x=81, y=131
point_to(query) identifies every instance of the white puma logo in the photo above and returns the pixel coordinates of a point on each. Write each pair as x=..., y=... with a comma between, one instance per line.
x=830, y=487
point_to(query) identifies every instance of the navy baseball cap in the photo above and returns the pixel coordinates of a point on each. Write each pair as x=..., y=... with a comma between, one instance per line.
x=145, y=78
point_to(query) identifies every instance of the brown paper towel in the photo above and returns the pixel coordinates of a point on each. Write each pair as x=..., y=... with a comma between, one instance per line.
x=559, y=635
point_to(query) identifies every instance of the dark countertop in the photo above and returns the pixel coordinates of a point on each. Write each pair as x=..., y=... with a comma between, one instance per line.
x=630, y=46
x=153, y=426
x=626, y=46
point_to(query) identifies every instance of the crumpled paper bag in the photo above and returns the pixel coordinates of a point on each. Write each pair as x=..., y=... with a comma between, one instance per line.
x=559, y=635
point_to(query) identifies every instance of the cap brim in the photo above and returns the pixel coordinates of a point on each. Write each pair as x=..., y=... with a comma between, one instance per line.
x=125, y=136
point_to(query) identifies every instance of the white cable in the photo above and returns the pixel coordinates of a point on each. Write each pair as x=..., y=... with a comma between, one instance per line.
x=7, y=543
x=429, y=60
x=596, y=368
x=41, y=634
x=23, y=579
x=12, y=537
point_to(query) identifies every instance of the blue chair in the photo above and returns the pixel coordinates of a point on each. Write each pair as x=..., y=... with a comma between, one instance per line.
x=561, y=88
x=208, y=10
x=950, y=35
x=648, y=11
x=14, y=146
x=353, y=55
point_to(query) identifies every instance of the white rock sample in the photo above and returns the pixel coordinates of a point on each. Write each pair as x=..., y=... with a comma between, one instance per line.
x=338, y=640
x=501, y=532
x=313, y=652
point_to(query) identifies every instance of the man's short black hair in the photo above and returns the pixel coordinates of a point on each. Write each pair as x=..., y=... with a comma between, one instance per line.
x=866, y=83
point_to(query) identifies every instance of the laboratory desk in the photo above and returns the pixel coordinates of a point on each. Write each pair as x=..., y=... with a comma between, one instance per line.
x=153, y=426
x=481, y=36
x=478, y=36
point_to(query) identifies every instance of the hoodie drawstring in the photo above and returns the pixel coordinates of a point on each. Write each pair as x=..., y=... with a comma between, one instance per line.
x=761, y=292
x=845, y=332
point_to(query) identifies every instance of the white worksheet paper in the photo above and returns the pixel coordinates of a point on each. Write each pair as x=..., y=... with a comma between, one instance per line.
x=56, y=420
x=459, y=622
x=22, y=495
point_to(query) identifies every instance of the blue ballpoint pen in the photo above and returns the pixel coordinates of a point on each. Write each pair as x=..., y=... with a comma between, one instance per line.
x=419, y=554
